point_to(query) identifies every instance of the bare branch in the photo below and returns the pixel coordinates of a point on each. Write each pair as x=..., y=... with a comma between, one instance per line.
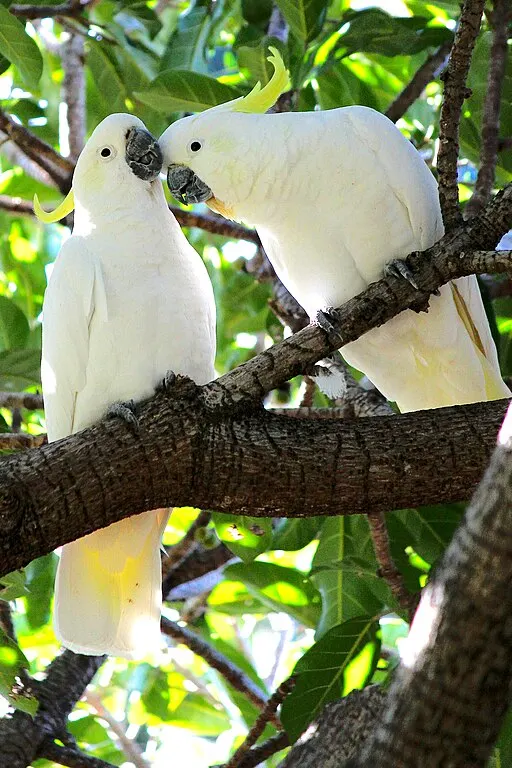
x=422, y=77
x=235, y=676
x=58, y=168
x=491, y=109
x=17, y=157
x=17, y=441
x=195, y=567
x=28, y=400
x=69, y=9
x=73, y=92
x=69, y=756
x=214, y=224
x=264, y=718
x=455, y=92
x=387, y=568
x=468, y=597
x=270, y=747
x=178, y=552
x=130, y=748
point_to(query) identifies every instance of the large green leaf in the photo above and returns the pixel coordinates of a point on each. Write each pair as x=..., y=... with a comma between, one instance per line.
x=246, y=537
x=13, y=585
x=304, y=17
x=185, y=47
x=107, y=77
x=12, y=661
x=280, y=589
x=14, y=327
x=295, y=533
x=323, y=669
x=339, y=86
x=19, y=368
x=344, y=571
x=19, y=48
x=175, y=90
x=40, y=575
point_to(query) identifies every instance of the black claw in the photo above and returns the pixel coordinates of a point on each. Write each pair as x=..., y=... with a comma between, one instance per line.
x=326, y=319
x=126, y=412
x=399, y=268
x=168, y=383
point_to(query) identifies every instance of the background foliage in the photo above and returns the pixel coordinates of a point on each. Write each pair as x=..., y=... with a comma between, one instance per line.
x=299, y=592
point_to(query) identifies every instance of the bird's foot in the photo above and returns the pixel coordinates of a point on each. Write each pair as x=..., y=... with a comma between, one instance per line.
x=126, y=412
x=327, y=320
x=399, y=268
x=177, y=385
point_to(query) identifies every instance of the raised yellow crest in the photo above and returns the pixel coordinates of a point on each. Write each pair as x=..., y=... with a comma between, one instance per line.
x=261, y=99
x=62, y=210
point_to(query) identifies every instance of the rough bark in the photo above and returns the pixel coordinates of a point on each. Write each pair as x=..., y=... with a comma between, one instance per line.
x=186, y=453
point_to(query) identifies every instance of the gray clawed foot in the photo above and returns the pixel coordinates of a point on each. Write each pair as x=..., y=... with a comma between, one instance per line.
x=326, y=319
x=399, y=268
x=177, y=385
x=126, y=412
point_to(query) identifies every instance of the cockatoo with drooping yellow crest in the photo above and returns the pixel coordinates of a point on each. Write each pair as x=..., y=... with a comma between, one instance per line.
x=335, y=196
x=128, y=299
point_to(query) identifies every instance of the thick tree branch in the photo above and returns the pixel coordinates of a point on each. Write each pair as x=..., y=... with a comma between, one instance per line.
x=69, y=9
x=457, y=665
x=58, y=168
x=17, y=441
x=69, y=756
x=235, y=676
x=73, y=92
x=22, y=736
x=29, y=400
x=455, y=92
x=491, y=109
x=413, y=90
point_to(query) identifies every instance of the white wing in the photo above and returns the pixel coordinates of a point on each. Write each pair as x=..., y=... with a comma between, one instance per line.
x=67, y=310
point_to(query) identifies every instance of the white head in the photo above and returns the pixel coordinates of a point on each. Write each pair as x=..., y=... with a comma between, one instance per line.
x=210, y=157
x=120, y=158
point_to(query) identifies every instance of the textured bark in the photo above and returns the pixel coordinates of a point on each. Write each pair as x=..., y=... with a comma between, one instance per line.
x=21, y=736
x=339, y=732
x=446, y=706
x=186, y=453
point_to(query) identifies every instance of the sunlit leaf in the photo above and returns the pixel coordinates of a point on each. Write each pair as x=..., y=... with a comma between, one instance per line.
x=246, y=537
x=13, y=585
x=19, y=48
x=12, y=662
x=305, y=17
x=175, y=90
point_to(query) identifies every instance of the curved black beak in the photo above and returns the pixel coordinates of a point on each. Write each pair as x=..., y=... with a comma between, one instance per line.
x=143, y=154
x=185, y=186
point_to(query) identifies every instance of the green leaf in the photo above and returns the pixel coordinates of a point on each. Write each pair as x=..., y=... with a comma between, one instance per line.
x=198, y=714
x=375, y=31
x=13, y=585
x=280, y=589
x=429, y=529
x=185, y=47
x=257, y=12
x=254, y=57
x=107, y=77
x=14, y=327
x=296, y=533
x=502, y=757
x=344, y=553
x=20, y=368
x=304, y=17
x=40, y=576
x=12, y=661
x=175, y=90
x=246, y=537
x=323, y=670
x=339, y=86
x=19, y=48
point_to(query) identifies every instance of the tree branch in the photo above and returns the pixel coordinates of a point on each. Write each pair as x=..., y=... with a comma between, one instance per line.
x=491, y=109
x=58, y=168
x=69, y=756
x=178, y=552
x=422, y=77
x=28, y=400
x=235, y=676
x=18, y=441
x=270, y=747
x=69, y=9
x=22, y=736
x=130, y=748
x=73, y=92
x=455, y=92
x=460, y=636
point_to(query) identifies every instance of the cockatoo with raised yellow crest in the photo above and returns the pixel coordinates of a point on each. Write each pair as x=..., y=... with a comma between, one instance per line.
x=128, y=299
x=335, y=197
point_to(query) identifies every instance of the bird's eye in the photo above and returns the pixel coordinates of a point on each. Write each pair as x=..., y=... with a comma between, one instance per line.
x=107, y=153
x=195, y=146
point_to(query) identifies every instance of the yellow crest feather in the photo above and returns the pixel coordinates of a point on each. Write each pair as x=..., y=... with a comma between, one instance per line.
x=261, y=99
x=62, y=210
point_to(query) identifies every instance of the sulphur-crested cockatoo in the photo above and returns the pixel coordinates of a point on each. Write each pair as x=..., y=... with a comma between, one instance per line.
x=335, y=196
x=128, y=299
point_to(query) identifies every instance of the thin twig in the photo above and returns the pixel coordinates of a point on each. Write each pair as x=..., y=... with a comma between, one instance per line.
x=421, y=78
x=491, y=109
x=235, y=676
x=264, y=718
x=455, y=92
x=270, y=747
x=309, y=393
x=214, y=224
x=177, y=553
x=71, y=8
x=130, y=748
x=387, y=568
x=71, y=757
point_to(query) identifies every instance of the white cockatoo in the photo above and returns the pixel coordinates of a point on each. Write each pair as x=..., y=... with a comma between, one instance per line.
x=128, y=299
x=335, y=196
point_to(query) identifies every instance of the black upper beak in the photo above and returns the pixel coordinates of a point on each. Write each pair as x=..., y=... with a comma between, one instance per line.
x=143, y=154
x=185, y=186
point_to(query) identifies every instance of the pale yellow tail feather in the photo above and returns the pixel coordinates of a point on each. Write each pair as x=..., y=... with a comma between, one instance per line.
x=108, y=592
